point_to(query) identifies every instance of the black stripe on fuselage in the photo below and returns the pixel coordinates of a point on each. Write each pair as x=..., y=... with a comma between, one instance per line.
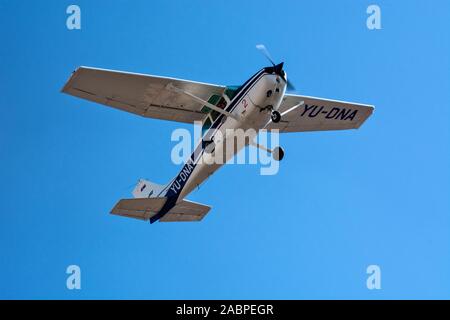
x=178, y=182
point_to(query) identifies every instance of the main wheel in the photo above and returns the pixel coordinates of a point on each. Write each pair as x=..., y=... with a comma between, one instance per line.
x=276, y=116
x=278, y=153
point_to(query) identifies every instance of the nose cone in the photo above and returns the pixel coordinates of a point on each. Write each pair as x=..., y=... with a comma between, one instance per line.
x=278, y=70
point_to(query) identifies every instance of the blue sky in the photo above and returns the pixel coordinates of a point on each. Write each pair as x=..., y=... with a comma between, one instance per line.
x=340, y=202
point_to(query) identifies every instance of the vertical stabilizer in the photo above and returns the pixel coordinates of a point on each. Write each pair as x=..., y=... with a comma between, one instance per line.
x=148, y=189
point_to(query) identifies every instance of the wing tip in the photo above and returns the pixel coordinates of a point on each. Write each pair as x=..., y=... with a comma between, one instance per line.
x=67, y=85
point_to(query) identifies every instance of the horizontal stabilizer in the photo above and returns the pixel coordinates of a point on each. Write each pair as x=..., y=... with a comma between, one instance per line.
x=186, y=211
x=145, y=208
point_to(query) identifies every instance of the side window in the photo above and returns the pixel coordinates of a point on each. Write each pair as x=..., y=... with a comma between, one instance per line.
x=221, y=104
x=231, y=91
x=213, y=100
x=218, y=101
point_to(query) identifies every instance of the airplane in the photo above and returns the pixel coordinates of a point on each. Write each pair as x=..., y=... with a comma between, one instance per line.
x=262, y=103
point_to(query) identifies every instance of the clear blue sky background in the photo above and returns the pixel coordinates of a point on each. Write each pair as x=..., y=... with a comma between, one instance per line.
x=341, y=201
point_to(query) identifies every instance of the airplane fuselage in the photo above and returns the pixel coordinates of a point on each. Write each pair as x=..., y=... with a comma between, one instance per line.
x=252, y=106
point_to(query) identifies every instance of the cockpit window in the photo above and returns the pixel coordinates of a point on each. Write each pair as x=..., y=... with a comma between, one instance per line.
x=218, y=101
x=230, y=91
x=221, y=104
x=213, y=100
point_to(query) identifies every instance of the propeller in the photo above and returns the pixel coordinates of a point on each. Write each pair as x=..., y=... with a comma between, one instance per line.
x=278, y=68
x=265, y=52
x=290, y=86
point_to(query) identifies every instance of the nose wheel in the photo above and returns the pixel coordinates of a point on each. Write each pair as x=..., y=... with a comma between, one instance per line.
x=275, y=116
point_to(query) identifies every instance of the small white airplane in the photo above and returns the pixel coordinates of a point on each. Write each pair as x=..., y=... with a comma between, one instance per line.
x=260, y=103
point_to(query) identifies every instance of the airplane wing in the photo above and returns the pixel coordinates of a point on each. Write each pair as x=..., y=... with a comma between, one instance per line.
x=318, y=114
x=141, y=94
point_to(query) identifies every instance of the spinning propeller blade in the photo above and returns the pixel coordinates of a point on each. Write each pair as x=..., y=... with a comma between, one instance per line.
x=265, y=52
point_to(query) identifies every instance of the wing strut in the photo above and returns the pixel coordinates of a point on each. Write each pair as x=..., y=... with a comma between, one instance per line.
x=286, y=112
x=293, y=108
x=171, y=87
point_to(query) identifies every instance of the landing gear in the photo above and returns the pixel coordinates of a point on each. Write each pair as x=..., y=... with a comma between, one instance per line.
x=278, y=153
x=275, y=116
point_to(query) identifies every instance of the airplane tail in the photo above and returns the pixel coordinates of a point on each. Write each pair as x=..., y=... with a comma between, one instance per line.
x=147, y=208
x=150, y=198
